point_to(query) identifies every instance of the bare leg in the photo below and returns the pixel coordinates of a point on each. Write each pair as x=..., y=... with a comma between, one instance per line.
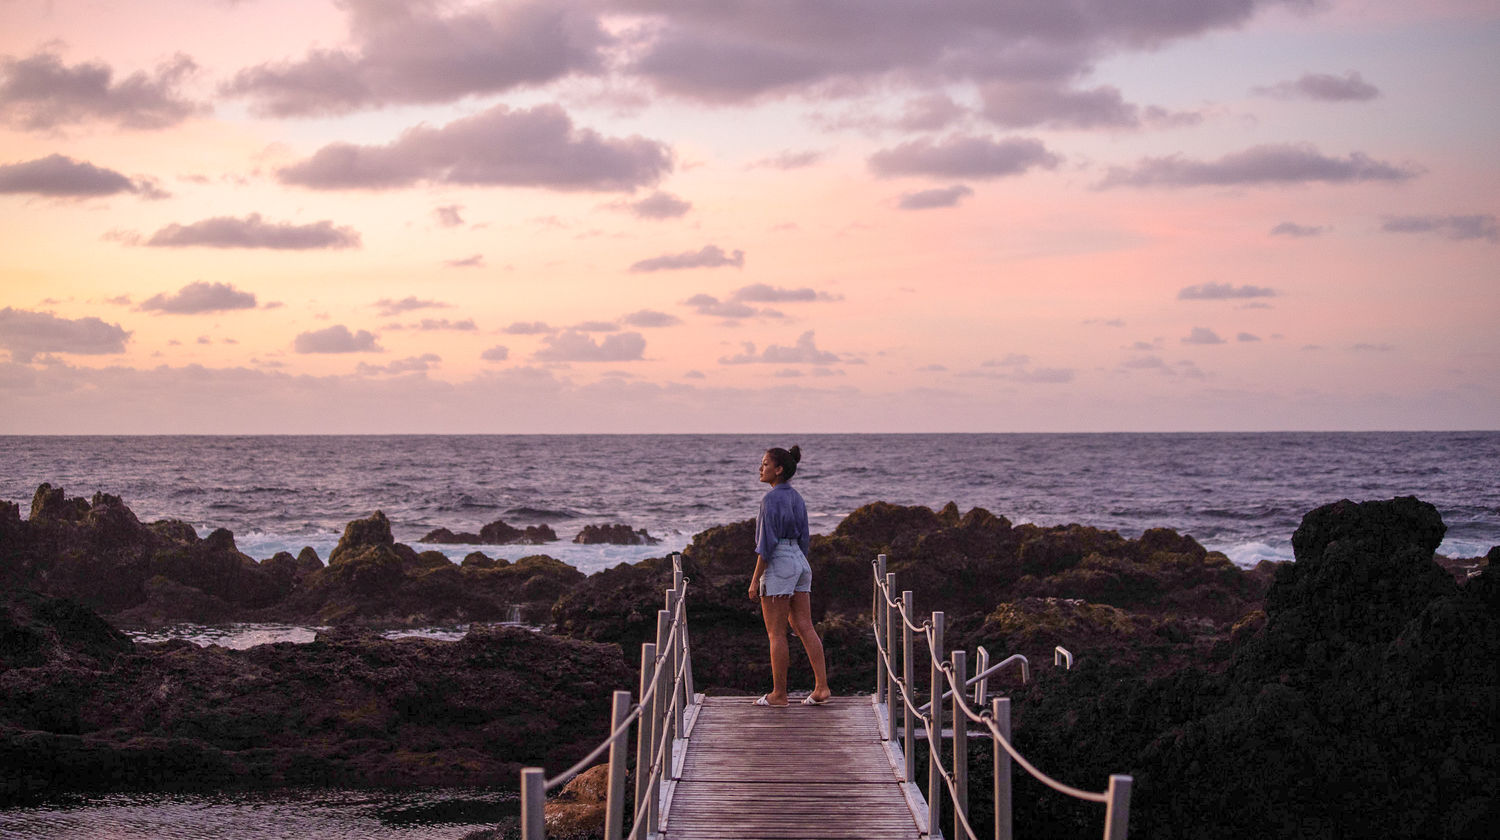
x=774, y=612
x=800, y=617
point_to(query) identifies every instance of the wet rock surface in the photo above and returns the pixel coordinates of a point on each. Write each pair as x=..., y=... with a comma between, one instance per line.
x=143, y=575
x=616, y=534
x=82, y=708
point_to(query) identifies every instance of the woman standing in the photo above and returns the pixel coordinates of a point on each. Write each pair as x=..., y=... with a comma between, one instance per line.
x=783, y=579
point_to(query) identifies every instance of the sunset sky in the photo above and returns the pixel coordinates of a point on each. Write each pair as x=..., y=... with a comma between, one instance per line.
x=291, y=216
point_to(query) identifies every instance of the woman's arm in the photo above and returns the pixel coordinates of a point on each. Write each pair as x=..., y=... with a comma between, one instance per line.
x=760, y=569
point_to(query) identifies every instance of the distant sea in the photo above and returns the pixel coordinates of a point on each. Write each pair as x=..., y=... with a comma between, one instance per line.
x=1242, y=494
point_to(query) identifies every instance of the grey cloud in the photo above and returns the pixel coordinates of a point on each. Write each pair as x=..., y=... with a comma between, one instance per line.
x=536, y=147
x=388, y=307
x=804, y=352
x=40, y=93
x=1010, y=360
x=528, y=328
x=254, y=232
x=474, y=261
x=411, y=53
x=1045, y=376
x=498, y=353
x=1202, y=335
x=1223, y=291
x=1244, y=336
x=26, y=334
x=736, y=52
x=596, y=326
x=1478, y=226
x=411, y=364
x=1350, y=87
x=763, y=293
x=59, y=176
x=934, y=368
x=1147, y=363
x=199, y=297
x=930, y=113
x=1372, y=348
x=336, y=339
x=964, y=157
x=574, y=346
x=1295, y=230
x=710, y=305
x=788, y=159
x=650, y=318
x=939, y=197
x=709, y=256
x=448, y=215
x=1258, y=166
x=1029, y=104
x=438, y=324
x=660, y=205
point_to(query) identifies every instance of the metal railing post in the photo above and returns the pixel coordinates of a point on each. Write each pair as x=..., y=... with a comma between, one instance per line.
x=879, y=616
x=935, y=730
x=1000, y=710
x=533, y=803
x=892, y=618
x=659, y=718
x=981, y=688
x=1060, y=655
x=614, y=807
x=908, y=677
x=960, y=744
x=673, y=719
x=1117, y=812
x=644, y=736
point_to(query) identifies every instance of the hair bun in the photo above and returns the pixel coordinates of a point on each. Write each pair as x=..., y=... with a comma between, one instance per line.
x=796, y=453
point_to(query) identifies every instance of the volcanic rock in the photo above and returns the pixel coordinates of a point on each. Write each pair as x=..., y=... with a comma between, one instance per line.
x=616, y=534
x=81, y=708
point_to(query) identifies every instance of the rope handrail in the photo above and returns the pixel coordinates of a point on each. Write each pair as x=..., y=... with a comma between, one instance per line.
x=658, y=718
x=637, y=709
x=1116, y=798
x=900, y=683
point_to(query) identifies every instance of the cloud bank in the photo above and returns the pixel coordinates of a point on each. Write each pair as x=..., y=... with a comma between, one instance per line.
x=535, y=147
x=709, y=256
x=1258, y=166
x=254, y=232
x=59, y=176
x=198, y=298
x=336, y=339
x=26, y=334
x=41, y=93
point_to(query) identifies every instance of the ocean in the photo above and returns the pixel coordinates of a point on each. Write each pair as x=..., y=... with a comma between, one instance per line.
x=1242, y=494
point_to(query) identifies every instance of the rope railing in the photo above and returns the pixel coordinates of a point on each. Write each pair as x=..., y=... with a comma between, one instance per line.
x=666, y=689
x=889, y=613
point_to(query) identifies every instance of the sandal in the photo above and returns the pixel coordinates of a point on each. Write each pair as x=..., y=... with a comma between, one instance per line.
x=762, y=701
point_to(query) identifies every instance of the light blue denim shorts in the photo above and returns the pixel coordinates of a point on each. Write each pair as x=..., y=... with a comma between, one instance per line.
x=786, y=571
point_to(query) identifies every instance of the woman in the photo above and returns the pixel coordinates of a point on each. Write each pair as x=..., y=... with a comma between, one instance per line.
x=783, y=579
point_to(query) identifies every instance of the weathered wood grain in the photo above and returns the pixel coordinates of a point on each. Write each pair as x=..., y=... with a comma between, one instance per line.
x=798, y=773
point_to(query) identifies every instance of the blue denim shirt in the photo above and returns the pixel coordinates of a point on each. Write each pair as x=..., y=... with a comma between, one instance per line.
x=783, y=516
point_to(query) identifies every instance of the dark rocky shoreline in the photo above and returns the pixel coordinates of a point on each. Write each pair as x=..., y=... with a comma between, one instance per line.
x=1364, y=660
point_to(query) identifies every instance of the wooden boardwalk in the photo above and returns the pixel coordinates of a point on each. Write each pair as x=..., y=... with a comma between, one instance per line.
x=798, y=773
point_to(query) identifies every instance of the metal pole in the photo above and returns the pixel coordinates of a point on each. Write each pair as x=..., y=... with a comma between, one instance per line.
x=614, y=809
x=1117, y=814
x=892, y=618
x=1000, y=710
x=659, y=708
x=533, y=803
x=672, y=710
x=960, y=743
x=677, y=571
x=935, y=730
x=982, y=687
x=644, y=737
x=878, y=616
x=908, y=678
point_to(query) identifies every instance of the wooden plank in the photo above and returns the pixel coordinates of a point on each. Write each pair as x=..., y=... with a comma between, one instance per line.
x=798, y=773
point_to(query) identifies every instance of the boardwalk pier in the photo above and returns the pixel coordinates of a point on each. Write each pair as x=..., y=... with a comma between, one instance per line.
x=720, y=767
